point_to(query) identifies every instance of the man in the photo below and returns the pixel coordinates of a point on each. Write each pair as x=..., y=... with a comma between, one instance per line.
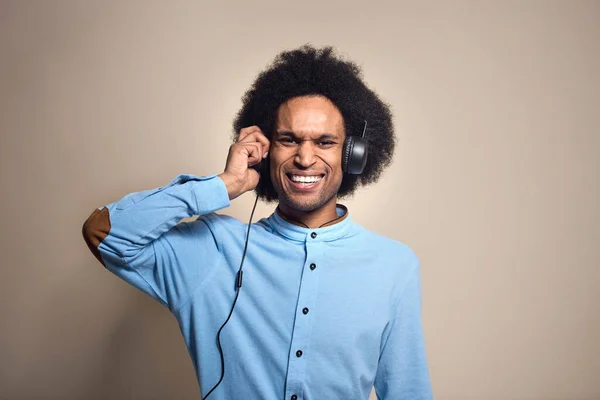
x=324, y=309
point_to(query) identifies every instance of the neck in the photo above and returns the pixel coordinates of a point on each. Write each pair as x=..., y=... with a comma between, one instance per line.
x=311, y=219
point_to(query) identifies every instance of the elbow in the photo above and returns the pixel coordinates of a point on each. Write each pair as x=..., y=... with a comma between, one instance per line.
x=95, y=229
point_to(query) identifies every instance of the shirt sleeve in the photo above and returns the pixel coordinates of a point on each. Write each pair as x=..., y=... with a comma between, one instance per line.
x=402, y=373
x=140, y=238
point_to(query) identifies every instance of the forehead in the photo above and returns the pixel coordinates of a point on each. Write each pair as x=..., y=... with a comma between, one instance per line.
x=310, y=115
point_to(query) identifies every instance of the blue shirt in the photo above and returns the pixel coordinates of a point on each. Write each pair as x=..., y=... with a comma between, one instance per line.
x=322, y=314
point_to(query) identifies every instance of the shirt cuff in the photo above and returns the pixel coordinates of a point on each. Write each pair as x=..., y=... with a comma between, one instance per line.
x=210, y=193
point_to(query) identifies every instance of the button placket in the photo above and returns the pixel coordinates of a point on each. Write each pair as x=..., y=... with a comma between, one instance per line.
x=300, y=346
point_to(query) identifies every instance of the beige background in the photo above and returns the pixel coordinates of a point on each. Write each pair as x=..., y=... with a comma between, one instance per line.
x=495, y=183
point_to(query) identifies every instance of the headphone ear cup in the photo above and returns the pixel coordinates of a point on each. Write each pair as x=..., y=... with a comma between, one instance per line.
x=354, y=156
x=347, y=152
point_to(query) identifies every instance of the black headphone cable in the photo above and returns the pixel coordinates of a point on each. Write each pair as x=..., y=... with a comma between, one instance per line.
x=238, y=286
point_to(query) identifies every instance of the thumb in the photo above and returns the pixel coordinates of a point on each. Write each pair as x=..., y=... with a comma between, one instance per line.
x=253, y=178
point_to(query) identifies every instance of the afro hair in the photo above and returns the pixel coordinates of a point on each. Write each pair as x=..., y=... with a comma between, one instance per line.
x=308, y=71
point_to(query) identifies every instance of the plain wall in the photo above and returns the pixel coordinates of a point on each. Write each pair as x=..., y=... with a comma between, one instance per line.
x=495, y=182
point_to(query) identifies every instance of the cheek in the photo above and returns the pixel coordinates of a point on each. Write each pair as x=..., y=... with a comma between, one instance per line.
x=278, y=159
x=275, y=163
x=334, y=161
x=273, y=171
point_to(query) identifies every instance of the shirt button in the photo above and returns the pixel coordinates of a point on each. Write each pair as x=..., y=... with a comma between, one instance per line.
x=294, y=397
x=299, y=353
x=313, y=235
x=305, y=311
x=313, y=266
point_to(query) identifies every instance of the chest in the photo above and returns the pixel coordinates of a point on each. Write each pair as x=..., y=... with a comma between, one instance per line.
x=321, y=295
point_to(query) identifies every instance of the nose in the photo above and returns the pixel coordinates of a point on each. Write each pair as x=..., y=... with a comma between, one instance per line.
x=305, y=154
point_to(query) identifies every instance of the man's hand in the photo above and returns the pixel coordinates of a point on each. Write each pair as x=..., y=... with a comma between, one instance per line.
x=250, y=149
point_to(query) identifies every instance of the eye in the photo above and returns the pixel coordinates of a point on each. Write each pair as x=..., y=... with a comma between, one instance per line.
x=287, y=141
x=326, y=143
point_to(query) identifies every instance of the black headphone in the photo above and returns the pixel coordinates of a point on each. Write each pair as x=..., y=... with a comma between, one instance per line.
x=354, y=154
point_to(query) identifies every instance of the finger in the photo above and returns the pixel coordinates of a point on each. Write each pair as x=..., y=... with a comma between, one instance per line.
x=253, y=152
x=257, y=136
x=252, y=179
x=265, y=142
x=241, y=153
x=256, y=156
x=252, y=133
x=244, y=132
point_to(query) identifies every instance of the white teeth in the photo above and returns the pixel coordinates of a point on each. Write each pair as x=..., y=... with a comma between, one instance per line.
x=305, y=179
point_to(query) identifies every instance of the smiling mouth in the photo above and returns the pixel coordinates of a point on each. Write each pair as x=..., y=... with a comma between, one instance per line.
x=305, y=181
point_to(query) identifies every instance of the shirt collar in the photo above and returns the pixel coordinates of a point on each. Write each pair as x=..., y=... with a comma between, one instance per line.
x=333, y=231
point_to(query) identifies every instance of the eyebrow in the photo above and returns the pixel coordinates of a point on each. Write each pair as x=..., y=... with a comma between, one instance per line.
x=293, y=135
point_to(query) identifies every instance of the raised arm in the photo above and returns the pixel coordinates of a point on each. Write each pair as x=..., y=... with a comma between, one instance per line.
x=139, y=237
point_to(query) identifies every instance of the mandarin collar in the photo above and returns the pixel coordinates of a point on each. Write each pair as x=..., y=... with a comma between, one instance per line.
x=336, y=230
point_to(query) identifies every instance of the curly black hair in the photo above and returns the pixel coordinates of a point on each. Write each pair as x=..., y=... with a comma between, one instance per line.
x=310, y=71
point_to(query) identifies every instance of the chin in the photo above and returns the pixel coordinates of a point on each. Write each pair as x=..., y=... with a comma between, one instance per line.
x=303, y=206
x=311, y=203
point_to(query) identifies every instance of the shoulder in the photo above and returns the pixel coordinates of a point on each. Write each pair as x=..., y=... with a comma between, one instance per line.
x=392, y=259
x=387, y=247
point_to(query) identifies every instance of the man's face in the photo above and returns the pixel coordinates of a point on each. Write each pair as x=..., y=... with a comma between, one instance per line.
x=306, y=152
